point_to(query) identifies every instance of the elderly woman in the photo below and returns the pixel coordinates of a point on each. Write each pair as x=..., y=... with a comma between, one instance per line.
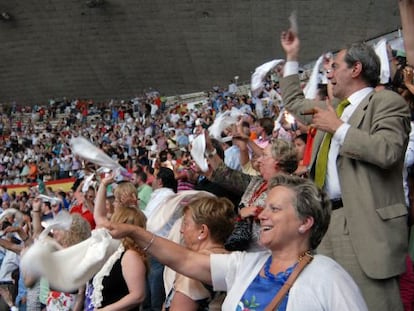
x=206, y=224
x=293, y=222
x=79, y=231
x=279, y=157
x=120, y=284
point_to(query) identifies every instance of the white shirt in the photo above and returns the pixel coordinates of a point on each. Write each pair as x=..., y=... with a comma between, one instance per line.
x=322, y=285
x=9, y=264
x=156, y=202
x=332, y=186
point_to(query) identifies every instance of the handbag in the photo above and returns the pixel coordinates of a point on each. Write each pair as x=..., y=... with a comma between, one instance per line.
x=239, y=239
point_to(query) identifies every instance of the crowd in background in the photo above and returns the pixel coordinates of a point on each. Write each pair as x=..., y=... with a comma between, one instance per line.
x=153, y=142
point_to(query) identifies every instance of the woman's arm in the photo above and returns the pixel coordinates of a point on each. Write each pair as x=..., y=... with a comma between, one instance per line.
x=133, y=271
x=99, y=211
x=192, y=264
x=181, y=302
x=36, y=217
x=11, y=246
x=80, y=298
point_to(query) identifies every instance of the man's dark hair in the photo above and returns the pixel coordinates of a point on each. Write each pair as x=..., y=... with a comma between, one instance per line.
x=371, y=65
x=167, y=178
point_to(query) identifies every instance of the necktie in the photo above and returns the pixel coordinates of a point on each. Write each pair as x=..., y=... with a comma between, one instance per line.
x=322, y=159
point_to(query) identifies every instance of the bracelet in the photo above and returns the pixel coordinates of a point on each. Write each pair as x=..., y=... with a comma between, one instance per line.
x=33, y=211
x=150, y=243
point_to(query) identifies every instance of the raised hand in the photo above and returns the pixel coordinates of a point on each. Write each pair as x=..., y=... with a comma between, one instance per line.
x=291, y=44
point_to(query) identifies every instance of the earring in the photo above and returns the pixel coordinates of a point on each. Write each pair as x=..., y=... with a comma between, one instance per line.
x=199, y=237
x=301, y=229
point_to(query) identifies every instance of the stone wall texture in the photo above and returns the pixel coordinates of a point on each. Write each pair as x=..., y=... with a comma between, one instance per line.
x=65, y=48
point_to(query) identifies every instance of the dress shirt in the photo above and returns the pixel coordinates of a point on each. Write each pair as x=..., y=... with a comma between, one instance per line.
x=332, y=186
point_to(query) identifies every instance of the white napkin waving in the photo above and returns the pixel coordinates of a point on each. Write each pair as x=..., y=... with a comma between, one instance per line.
x=86, y=150
x=223, y=121
x=381, y=50
x=260, y=73
x=70, y=268
x=311, y=88
x=198, y=147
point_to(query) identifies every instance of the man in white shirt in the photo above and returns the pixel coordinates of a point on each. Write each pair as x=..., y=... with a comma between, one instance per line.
x=164, y=187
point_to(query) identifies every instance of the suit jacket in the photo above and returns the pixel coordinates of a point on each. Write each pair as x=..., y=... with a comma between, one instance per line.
x=369, y=164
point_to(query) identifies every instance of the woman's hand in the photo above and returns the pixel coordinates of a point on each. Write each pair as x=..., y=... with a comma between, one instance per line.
x=250, y=211
x=290, y=44
x=108, y=179
x=118, y=230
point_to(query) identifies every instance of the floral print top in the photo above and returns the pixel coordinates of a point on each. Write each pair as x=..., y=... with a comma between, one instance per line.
x=263, y=289
x=58, y=301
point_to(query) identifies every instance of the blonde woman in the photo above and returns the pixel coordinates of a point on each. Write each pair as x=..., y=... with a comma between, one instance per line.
x=207, y=223
x=79, y=231
x=120, y=284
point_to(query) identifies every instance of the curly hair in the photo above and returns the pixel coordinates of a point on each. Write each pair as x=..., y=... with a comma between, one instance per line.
x=309, y=201
x=285, y=153
x=79, y=231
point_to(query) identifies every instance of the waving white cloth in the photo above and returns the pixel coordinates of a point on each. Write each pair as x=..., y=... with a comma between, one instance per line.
x=86, y=150
x=70, y=268
x=198, y=147
x=18, y=216
x=63, y=221
x=46, y=198
x=88, y=181
x=172, y=209
x=278, y=121
x=381, y=50
x=311, y=88
x=260, y=73
x=223, y=121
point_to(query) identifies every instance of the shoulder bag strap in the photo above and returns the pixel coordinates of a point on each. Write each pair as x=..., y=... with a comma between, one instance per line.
x=303, y=262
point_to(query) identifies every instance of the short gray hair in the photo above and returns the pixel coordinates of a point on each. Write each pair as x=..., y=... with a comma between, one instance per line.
x=285, y=153
x=310, y=201
x=371, y=65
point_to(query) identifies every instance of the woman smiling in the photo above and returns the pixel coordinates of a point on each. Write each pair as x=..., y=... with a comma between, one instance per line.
x=293, y=222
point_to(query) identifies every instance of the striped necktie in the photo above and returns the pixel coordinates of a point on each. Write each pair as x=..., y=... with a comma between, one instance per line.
x=322, y=158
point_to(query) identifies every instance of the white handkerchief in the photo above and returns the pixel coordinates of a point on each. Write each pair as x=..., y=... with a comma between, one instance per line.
x=381, y=50
x=311, y=88
x=86, y=150
x=260, y=73
x=198, y=147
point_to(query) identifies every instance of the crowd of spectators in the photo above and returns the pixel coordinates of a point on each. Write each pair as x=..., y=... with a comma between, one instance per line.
x=148, y=137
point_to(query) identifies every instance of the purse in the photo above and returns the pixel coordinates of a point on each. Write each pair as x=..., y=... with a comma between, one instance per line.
x=239, y=239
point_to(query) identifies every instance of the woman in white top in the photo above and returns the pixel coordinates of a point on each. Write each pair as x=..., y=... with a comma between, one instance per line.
x=293, y=222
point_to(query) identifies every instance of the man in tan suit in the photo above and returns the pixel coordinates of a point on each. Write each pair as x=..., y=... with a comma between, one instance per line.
x=368, y=231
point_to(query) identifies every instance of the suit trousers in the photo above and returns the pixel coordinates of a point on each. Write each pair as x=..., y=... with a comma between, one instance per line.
x=381, y=294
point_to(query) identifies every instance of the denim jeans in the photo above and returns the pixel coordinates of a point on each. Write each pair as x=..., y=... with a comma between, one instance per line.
x=155, y=292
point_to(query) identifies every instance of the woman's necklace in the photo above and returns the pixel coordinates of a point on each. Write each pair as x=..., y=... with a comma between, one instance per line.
x=214, y=249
